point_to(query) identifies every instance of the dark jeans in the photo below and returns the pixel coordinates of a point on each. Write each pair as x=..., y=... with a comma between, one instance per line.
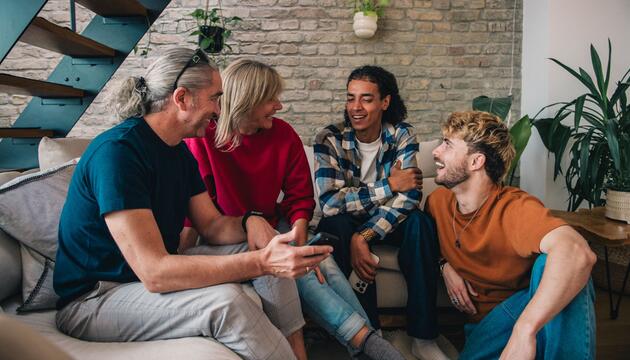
x=417, y=240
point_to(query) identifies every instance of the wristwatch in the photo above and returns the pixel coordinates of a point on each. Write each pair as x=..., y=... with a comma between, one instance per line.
x=247, y=215
x=441, y=263
x=368, y=234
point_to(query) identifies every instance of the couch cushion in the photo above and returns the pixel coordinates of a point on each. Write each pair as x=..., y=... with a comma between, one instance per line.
x=30, y=207
x=425, y=158
x=10, y=266
x=54, y=152
x=191, y=348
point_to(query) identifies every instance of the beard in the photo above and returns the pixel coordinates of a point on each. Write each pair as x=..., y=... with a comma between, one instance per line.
x=453, y=177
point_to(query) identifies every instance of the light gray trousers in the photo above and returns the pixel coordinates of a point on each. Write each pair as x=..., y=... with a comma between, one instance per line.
x=128, y=312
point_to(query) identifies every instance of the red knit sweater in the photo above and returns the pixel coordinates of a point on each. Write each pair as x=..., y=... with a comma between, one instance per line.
x=252, y=176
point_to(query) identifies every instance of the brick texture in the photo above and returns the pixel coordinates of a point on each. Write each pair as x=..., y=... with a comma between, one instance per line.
x=443, y=52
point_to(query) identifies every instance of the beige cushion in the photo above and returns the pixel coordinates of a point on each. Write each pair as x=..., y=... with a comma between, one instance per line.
x=53, y=152
x=191, y=348
x=425, y=158
x=10, y=266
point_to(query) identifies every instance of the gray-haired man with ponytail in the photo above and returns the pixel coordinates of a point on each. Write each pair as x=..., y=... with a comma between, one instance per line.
x=119, y=274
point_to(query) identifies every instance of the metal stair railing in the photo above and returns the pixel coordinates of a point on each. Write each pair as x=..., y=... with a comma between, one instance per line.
x=91, y=59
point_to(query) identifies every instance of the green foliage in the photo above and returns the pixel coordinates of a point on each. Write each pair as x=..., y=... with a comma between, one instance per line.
x=214, y=18
x=598, y=138
x=520, y=131
x=370, y=7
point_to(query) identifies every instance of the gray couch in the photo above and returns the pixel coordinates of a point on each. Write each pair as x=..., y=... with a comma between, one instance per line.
x=25, y=272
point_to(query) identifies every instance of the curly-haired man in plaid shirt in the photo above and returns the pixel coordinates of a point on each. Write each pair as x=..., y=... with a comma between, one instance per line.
x=369, y=188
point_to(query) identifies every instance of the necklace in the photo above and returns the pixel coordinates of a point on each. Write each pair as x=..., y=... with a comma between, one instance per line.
x=458, y=243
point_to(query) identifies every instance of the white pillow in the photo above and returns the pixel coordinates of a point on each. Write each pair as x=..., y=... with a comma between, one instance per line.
x=54, y=152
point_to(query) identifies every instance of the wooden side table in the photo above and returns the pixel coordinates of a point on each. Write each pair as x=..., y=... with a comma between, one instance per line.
x=597, y=228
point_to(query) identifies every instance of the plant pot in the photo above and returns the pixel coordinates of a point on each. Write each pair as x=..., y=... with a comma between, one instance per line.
x=618, y=205
x=364, y=25
x=212, y=39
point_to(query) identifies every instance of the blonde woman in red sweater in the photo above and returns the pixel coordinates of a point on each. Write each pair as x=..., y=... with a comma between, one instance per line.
x=247, y=158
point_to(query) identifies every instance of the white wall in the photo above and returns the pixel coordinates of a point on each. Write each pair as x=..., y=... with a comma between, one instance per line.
x=564, y=29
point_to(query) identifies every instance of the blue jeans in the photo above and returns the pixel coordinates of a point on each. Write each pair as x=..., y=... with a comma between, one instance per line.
x=569, y=335
x=416, y=240
x=333, y=304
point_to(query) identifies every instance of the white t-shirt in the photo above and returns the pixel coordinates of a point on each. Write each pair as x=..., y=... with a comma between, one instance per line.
x=369, y=155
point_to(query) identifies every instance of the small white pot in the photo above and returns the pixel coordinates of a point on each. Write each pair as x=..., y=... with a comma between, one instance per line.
x=618, y=205
x=364, y=25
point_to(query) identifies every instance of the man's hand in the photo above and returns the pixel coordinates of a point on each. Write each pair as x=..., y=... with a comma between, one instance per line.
x=404, y=180
x=458, y=290
x=521, y=346
x=259, y=232
x=361, y=259
x=283, y=260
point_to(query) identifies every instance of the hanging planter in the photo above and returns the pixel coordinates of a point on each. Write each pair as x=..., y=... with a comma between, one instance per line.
x=366, y=14
x=211, y=38
x=365, y=25
x=211, y=29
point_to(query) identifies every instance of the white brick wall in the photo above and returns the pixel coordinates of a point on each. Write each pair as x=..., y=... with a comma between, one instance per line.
x=444, y=53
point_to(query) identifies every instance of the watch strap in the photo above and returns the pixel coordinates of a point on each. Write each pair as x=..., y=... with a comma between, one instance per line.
x=247, y=215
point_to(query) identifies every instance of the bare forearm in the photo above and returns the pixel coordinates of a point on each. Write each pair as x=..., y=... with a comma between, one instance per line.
x=181, y=272
x=567, y=271
x=224, y=230
x=302, y=231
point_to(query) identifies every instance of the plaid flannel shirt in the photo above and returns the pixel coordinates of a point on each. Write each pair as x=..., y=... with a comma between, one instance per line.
x=337, y=176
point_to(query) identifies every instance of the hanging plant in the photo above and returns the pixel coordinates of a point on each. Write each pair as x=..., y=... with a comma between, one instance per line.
x=211, y=30
x=366, y=13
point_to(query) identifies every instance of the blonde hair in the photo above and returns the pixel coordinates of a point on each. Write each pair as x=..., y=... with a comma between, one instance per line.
x=246, y=84
x=484, y=133
x=142, y=95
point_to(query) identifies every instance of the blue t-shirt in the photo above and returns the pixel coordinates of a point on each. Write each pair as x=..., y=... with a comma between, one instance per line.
x=126, y=167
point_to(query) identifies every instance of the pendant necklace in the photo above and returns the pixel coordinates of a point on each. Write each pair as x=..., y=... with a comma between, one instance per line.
x=458, y=243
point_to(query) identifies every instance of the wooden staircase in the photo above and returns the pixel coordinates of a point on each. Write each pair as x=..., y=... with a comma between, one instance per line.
x=89, y=60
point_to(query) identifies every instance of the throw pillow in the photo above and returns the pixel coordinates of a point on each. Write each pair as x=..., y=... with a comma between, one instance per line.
x=54, y=152
x=30, y=207
x=10, y=266
x=37, y=282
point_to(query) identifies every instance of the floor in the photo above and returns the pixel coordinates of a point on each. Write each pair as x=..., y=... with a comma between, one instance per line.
x=613, y=336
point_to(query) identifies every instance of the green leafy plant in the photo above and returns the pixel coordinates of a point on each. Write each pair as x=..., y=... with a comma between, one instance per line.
x=599, y=135
x=520, y=132
x=211, y=28
x=370, y=7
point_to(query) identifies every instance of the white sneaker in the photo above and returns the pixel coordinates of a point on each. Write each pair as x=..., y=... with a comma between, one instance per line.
x=427, y=350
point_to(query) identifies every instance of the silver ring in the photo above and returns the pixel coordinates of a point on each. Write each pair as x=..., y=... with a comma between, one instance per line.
x=455, y=301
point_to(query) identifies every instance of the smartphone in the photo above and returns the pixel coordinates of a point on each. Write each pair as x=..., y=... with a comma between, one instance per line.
x=357, y=284
x=323, y=238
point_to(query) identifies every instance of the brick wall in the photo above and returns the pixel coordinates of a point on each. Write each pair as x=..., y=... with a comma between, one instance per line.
x=443, y=52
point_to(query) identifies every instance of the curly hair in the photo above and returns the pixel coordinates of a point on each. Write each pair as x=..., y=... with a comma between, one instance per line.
x=387, y=85
x=484, y=133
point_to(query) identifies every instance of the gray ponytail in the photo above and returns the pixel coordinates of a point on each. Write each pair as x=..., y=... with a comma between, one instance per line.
x=139, y=96
x=129, y=100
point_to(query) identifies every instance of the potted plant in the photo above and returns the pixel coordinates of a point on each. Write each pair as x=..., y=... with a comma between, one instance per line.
x=211, y=28
x=600, y=135
x=366, y=13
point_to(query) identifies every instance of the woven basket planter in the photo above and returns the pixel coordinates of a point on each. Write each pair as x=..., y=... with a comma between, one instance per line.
x=618, y=205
